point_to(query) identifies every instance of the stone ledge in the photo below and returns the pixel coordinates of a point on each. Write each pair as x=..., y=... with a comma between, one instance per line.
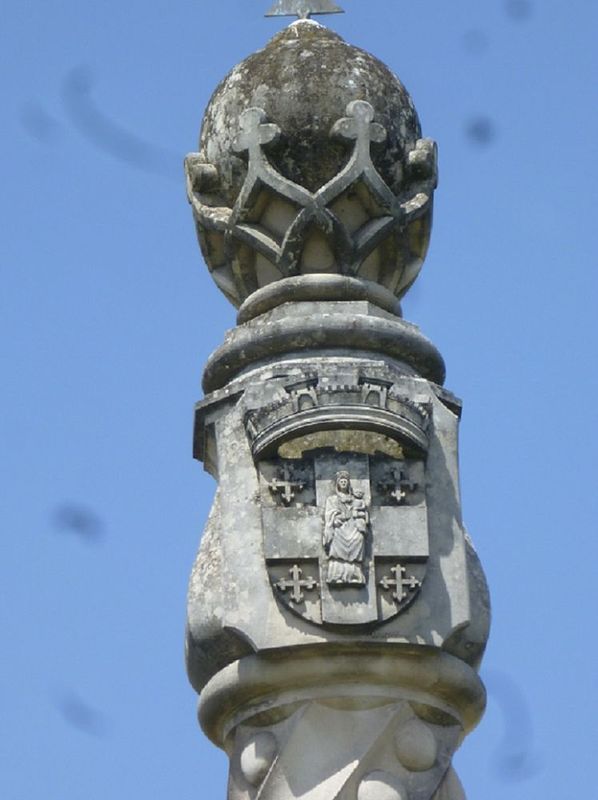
x=319, y=288
x=264, y=684
x=317, y=332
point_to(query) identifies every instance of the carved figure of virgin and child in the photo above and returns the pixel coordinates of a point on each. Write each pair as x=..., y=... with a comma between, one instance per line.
x=346, y=520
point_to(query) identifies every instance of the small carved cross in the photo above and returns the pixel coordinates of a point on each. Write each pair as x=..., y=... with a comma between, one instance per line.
x=255, y=132
x=400, y=582
x=360, y=125
x=296, y=584
x=303, y=8
x=400, y=486
x=285, y=487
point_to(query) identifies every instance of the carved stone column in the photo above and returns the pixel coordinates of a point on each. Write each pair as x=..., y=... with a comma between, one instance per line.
x=337, y=611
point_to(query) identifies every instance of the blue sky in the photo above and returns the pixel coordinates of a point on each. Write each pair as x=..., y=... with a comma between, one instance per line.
x=109, y=315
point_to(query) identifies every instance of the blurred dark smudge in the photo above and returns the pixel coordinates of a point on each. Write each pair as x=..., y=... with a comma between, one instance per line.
x=514, y=758
x=80, y=715
x=38, y=123
x=481, y=131
x=519, y=10
x=108, y=135
x=79, y=520
x=475, y=42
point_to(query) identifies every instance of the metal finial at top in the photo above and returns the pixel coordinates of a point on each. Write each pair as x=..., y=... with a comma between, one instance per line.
x=303, y=8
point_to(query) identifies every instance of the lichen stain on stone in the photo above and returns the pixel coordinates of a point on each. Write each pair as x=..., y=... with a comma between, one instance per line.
x=303, y=79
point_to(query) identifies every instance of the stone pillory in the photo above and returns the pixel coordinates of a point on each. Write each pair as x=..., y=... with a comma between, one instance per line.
x=337, y=611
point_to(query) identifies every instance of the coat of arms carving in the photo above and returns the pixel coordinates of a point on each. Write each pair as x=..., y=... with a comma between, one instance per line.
x=345, y=535
x=342, y=493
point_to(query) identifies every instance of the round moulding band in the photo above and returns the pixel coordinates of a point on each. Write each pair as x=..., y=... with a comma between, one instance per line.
x=261, y=686
x=337, y=417
x=322, y=334
x=316, y=288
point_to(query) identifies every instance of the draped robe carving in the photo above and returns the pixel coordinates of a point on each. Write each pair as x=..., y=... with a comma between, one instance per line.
x=345, y=528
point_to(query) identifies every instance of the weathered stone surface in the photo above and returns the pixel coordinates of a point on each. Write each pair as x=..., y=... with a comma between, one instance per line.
x=303, y=79
x=337, y=610
x=319, y=724
x=305, y=288
x=322, y=329
x=276, y=438
x=311, y=162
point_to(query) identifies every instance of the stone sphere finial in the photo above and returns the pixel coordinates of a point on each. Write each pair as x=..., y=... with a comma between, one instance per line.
x=311, y=162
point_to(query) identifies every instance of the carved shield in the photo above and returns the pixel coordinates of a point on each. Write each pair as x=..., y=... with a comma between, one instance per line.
x=345, y=535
